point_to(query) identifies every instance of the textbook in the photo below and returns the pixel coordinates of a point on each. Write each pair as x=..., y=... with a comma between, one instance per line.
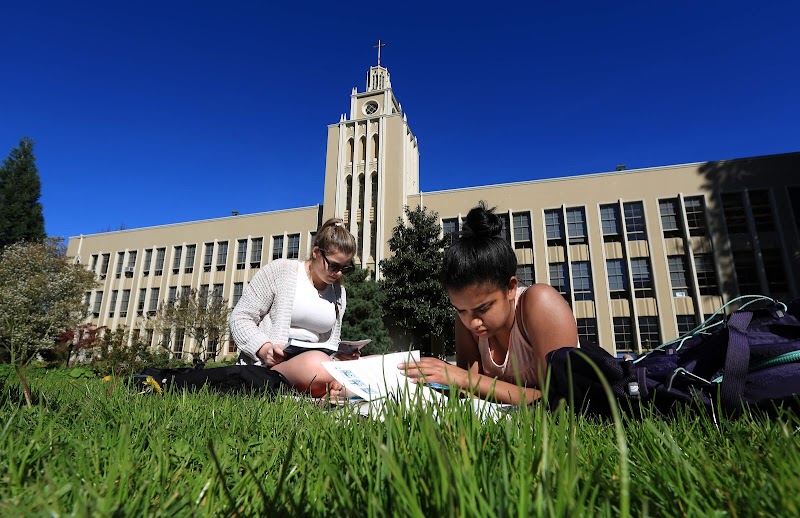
x=347, y=347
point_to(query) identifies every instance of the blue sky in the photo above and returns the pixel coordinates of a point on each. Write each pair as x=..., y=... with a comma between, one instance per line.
x=153, y=113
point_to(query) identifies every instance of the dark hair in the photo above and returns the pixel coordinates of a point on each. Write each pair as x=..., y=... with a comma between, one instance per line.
x=334, y=237
x=481, y=255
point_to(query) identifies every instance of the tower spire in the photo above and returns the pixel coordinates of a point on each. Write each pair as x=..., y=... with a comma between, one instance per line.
x=378, y=46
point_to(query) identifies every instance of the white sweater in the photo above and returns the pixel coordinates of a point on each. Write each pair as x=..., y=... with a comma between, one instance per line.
x=264, y=313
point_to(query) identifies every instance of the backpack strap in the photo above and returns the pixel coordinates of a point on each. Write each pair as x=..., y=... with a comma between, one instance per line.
x=737, y=361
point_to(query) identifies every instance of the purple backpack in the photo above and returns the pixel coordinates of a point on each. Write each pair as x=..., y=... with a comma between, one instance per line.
x=751, y=359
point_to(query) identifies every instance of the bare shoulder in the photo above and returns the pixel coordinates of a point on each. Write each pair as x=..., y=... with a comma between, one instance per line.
x=546, y=312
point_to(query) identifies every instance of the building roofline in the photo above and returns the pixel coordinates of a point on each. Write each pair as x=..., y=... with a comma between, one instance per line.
x=606, y=173
x=194, y=222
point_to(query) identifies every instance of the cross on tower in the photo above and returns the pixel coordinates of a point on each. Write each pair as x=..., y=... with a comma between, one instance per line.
x=378, y=46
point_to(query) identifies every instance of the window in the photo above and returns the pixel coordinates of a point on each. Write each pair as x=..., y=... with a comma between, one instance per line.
x=794, y=199
x=696, y=215
x=232, y=346
x=762, y=211
x=172, y=294
x=582, y=280
x=293, y=250
x=505, y=231
x=176, y=259
x=148, y=333
x=222, y=255
x=120, y=260
x=86, y=298
x=186, y=294
x=669, y=217
x=642, y=281
x=587, y=330
x=154, y=292
x=131, y=263
x=216, y=295
x=104, y=265
x=648, y=332
x=623, y=334
x=98, y=301
x=617, y=278
x=735, y=216
x=123, y=304
x=554, y=225
x=140, y=302
x=180, y=336
x=576, y=225
x=706, y=274
x=634, y=221
x=208, y=257
x=203, y=295
x=746, y=273
x=677, y=276
x=148, y=257
x=450, y=231
x=610, y=222
x=112, y=304
x=256, y=246
x=277, y=247
x=160, y=253
x=237, y=292
x=685, y=324
x=522, y=230
x=525, y=274
x=241, y=254
x=773, y=268
x=559, y=279
x=188, y=264
x=93, y=263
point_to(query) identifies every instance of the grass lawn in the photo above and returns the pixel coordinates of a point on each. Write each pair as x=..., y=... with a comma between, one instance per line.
x=83, y=449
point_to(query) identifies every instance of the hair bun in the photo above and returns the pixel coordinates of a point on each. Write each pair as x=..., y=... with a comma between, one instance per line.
x=482, y=222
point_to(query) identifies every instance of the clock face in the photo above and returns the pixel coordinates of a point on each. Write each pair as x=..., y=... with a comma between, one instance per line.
x=371, y=107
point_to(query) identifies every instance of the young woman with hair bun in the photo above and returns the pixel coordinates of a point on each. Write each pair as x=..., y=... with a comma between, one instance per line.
x=504, y=331
x=299, y=300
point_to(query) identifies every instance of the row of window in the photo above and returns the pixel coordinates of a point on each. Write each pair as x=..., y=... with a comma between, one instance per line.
x=151, y=303
x=183, y=256
x=569, y=225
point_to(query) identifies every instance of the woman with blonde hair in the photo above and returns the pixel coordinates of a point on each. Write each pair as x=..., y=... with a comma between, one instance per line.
x=297, y=301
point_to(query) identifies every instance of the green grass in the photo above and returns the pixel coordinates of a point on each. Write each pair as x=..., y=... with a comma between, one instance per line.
x=79, y=450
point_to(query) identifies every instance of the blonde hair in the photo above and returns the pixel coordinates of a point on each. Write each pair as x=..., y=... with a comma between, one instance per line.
x=334, y=237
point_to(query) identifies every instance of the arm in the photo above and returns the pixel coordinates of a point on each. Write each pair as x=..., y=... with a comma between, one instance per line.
x=548, y=323
x=468, y=373
x=253, y=307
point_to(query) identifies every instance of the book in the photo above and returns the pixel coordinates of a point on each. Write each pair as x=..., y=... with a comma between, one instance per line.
x=374, y=377
x=346, y=347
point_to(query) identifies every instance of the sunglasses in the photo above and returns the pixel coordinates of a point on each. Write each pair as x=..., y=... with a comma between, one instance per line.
x=333, y=268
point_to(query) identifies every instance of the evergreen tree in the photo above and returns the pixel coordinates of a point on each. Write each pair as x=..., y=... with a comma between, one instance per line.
x=413, y=296
x=364, y=315
x=21, y=217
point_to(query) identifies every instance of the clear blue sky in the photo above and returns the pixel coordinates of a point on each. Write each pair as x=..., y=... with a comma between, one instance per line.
x=149, y=113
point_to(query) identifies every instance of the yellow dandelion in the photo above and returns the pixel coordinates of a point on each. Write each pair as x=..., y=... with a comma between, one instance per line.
x=107, y=378
x=154, y=384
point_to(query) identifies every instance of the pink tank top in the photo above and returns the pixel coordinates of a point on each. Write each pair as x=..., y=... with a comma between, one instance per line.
x=519, y=366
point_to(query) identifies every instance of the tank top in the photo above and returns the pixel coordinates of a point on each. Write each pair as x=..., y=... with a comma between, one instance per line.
x=313, y=312
x=519, y=366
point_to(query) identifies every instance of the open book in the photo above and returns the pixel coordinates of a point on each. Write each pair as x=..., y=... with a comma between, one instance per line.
x=345, y=347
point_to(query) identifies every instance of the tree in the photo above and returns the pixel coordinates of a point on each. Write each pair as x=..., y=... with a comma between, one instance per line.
x=205, y=320
x=364, y=315
x=41, y=295
x=21, y=216
x=414, y=298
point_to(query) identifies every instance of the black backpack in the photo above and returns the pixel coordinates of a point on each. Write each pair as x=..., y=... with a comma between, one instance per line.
x=751, y=359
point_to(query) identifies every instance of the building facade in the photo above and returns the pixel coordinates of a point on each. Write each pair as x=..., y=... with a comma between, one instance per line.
x=641, y=255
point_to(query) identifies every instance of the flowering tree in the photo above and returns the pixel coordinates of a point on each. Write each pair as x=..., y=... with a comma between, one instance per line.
x=40, y=296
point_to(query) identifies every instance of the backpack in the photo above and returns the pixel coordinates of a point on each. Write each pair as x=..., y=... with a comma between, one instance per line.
x=229, y=379
x=748, y=360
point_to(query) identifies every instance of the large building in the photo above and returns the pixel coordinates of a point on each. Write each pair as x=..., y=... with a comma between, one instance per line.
x=641, y=255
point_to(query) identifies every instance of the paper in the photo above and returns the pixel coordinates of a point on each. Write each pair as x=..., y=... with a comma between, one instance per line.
x=374, y=377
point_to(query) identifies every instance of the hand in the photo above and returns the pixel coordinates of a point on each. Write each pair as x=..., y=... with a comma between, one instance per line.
x=428, y=370
x=270, y=354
